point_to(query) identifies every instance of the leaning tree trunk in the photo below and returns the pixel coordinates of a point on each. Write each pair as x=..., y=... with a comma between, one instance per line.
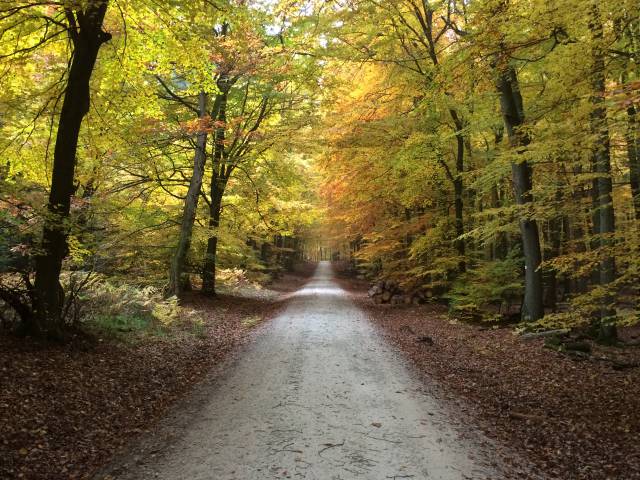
x=191, y=201
x=513, y=114
x=604, y=218
x=87, y=36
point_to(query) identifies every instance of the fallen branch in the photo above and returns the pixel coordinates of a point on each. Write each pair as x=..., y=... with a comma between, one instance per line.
x=625, y=365
x=546, y=334
x=327, y=446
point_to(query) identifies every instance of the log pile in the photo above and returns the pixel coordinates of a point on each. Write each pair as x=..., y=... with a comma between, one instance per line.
x=389, y=292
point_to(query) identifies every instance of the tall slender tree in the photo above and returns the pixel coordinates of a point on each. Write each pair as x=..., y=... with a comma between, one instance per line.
x=512, y=108
x=84, y=27
x=604, y=218
x=192, y=197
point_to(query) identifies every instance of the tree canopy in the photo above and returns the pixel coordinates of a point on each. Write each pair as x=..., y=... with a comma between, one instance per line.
x=483, y=152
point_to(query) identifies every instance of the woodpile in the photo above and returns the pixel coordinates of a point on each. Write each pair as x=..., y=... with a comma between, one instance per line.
x=389, y=292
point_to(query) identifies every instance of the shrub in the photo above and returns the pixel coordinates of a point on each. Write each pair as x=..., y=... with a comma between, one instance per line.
x=495, y=283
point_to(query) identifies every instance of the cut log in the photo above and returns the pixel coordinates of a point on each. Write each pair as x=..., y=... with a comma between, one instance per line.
x=578, y=346
x=546, y=334
x=375, y=290
x=625, y=366
x=389, y=291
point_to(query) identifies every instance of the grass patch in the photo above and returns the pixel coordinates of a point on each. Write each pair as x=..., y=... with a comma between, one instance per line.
x=251, y=321
x=198, y=328
x=129, y=328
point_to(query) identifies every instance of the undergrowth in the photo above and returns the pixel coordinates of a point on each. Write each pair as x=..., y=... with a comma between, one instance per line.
x=488, y=284
x=123, y=310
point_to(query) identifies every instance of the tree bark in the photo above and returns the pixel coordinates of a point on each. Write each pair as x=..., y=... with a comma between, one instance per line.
x=458, y=188
x=633, y=150
x=191, y=201
x=513, y=114
x=210, y=259
x=604, y=219
x=87, y=36
x=221, y=173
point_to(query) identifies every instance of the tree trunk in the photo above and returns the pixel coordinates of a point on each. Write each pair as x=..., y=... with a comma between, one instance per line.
x=458, y=188
x=191, y=202
x=555, y=242
x=499, y=245
x=633, y=150
x=576, y=227
x=219, y=178
x=210, y=259
x=87, y=36
x=603, y=188
x=425, y=18
x=513, y=114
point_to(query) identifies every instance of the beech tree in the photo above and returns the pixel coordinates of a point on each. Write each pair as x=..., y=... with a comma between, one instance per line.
x=540, y=222
x=83, y=24
x=124, y=185
x=442, y=145
x=513, y=113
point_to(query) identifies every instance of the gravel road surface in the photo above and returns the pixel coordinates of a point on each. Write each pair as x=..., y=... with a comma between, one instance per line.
x=317, y=395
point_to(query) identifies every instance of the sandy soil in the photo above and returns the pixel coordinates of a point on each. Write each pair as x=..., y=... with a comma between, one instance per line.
x=317, y=395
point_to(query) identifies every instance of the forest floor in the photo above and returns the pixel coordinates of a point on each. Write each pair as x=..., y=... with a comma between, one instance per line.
x=573, y=417
x=65, y=409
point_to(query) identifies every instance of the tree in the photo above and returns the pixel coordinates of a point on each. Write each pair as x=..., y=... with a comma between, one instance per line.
x=486, y=51
x=216, y=128
x=513, y=114
x=604, y=218
x=192, y=197
x=83, y=24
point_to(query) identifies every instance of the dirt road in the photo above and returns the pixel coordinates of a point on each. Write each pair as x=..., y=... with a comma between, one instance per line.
x=318, y=395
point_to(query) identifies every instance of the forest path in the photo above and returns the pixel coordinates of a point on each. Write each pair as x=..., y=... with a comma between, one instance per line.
x=317, y=395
